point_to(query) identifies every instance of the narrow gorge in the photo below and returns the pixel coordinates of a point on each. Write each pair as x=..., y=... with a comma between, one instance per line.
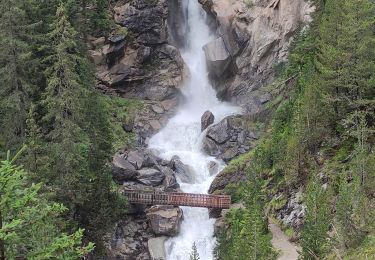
x=179, y=55
x=187, y=129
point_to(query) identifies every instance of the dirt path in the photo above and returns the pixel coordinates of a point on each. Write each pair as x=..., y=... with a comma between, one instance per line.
x=288, y=250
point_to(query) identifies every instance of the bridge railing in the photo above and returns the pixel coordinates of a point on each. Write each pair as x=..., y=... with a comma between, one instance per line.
x=178, y=199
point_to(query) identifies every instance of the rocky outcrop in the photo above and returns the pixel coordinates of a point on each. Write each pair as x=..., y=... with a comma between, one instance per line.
x=217, y=56
x=137, y=61
x=229, y=138
x=165, y=220
x=251, y=40
x=224, y=178
x=293, y=212
x=184, y=172
x=141, y=169
x=207, y=119
x=128, y=239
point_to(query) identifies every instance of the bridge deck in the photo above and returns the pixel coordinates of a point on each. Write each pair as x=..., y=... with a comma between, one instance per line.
x=178, y=199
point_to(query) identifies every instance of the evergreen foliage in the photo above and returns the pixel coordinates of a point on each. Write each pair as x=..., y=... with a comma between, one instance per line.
x=325, y=126
x=49, y=102
x=30, y=224
x=194, y=253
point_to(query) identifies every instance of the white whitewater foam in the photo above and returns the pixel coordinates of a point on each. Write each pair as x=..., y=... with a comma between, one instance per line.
x=182, y=137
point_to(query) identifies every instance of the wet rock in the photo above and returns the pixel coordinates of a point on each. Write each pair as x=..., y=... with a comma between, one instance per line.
x=207, y=119
x=165, y=220
x=213, y=167
x=122, y=170
x=217, y=56
x=170, y=183
x=219, y=132
x=183, y=171
x=156, y=248
x=151, y=177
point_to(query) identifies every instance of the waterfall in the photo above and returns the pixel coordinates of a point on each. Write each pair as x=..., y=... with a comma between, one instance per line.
x=182, y=136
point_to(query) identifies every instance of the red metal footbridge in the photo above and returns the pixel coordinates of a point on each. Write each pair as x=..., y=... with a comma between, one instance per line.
x=178, y=199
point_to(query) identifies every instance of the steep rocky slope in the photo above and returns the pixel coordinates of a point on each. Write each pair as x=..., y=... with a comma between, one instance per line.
x=141, y=60
x=253, y=39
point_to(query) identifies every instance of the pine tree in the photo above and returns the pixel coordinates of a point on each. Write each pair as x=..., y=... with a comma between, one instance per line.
x=62, y=101
x=194, y=253
x=29, y=224
x=15, y=89
x=317, y=221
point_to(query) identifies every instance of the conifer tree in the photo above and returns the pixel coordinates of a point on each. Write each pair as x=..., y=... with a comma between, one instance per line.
x=317, y=221
x=62, y=101
x=15, y=89
x=194, y=253
x=29, y=224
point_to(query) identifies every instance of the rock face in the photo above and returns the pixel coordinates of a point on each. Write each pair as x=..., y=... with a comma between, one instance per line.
x=293, y=212
x=229, y=138
x=165, y=220
x=207, y=119
x=128, y=239
x=251, y=40
x=217, y=56
x=138, y=61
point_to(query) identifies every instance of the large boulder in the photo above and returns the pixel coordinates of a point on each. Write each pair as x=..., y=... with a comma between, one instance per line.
x=217, y=56
x=207, y=119
x=122, y=170
x=165, y=220
x=219, y=132
x=183, y=171
x=229, y=138
x=150, y=176
x=136, y=158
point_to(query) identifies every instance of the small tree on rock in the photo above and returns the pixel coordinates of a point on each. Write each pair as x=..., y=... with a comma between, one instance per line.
x=194, y=253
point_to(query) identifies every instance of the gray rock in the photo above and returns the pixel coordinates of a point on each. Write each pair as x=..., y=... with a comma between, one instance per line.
x=156, y=248
x=170, y=183
x=155, y=125
x=210, y=147
x=217, y=56
x=122, y=170
x=165, y=220
x=207, y=119
x=219, y=132
x=224, y=178
x=213, y=167
x=157, y=109
x=151, y=177
x=136, y=158
x=230, y=154
x=184, y=172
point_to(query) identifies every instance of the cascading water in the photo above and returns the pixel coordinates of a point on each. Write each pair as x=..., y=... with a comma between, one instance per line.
x=182, y=136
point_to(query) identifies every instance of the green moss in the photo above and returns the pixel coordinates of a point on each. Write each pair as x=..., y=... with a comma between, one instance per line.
x=121, y=111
